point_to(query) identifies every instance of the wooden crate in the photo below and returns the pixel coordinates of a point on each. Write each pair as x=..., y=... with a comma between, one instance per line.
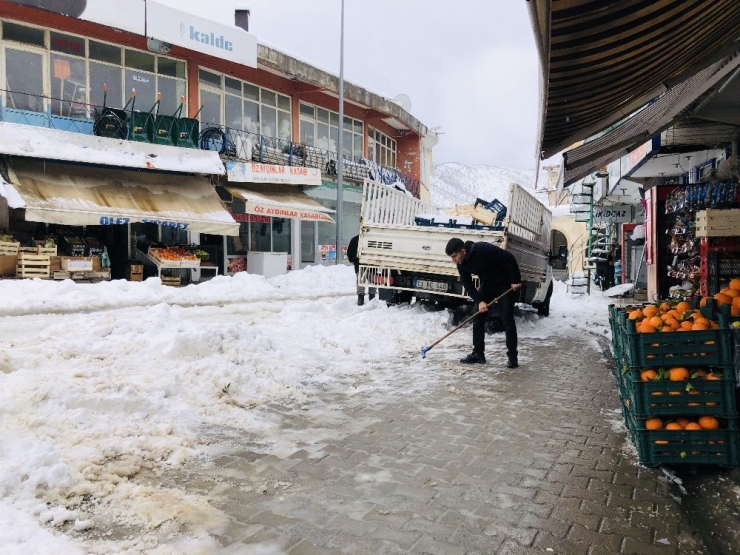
x=714, y=222
x=33, y=265
x=172, y=281
x=9, y=248
x=48, y=251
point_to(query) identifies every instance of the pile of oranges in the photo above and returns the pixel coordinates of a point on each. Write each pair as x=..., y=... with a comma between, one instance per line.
x=677, y=374
x=680, y=424
x=666, y=317
x=730, y=295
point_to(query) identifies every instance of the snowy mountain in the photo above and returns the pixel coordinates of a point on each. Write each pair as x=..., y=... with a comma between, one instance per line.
x=454, y=183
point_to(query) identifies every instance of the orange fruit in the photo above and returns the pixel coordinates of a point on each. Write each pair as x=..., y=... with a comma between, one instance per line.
x=714, y=325
x=686, y=325
x=656, y=322
x=731, y=293
x=646, y=328
x=702, y=320
x=735, y=310
x=700, y=373
x=648, y=375
x=735, y=284
x=700, y=327
x=721, y=299
x=650, y=310
x=678, y=374
x=673, y=426
x=693, y=426
x=703, y=302
x=712, y=377
x=635, y=315
x=708, y=422
x=682, y=307
x=736, y=301
x=654, y=424
x=665, y=307
x=682, y=421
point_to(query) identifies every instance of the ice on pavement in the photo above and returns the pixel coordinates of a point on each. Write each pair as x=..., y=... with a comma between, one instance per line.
x=101, y=381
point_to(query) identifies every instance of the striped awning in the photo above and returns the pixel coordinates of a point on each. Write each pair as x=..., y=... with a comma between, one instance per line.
x=676, y=104
x=601, y=61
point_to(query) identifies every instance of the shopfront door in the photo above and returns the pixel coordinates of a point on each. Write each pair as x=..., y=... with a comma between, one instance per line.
x=309, y=240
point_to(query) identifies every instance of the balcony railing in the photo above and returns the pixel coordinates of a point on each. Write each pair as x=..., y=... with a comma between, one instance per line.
x=253, y=147
x=77, y=117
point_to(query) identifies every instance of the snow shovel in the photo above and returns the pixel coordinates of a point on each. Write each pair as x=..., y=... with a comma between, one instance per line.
x=425, y=350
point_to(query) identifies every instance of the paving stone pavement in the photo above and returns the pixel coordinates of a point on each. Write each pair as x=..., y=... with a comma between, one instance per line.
x=485, y=460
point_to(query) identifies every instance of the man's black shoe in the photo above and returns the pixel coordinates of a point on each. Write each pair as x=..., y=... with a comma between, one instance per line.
x=474, y=358
x=513, y=363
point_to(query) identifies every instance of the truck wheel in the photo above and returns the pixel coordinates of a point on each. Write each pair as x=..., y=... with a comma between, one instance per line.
x=544, y=308
x=360, y=299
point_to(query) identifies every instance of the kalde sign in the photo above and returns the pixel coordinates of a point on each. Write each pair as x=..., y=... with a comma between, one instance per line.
x=180, y=28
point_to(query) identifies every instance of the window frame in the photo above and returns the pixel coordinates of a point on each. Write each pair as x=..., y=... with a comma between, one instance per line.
x=47, y=53
x=330, y=124
x=385, y=151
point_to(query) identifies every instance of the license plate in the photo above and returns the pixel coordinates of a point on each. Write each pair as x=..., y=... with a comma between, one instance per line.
x=431, y=285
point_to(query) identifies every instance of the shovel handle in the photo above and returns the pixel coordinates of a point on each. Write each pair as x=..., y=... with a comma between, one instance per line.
x=469, y=319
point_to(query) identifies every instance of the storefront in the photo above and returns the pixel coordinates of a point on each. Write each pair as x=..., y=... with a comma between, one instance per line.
x=274, y=211
x=84, y=210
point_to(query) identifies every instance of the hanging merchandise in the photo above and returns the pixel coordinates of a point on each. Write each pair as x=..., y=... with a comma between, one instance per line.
x=104, y=258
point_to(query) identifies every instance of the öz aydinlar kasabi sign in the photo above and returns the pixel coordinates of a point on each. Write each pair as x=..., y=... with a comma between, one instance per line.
x=152, y=19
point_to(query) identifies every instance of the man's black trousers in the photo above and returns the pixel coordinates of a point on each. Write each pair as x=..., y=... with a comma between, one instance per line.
x=505, y=308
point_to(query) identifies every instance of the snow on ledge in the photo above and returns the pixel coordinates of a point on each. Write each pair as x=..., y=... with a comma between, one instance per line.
x=52, y=144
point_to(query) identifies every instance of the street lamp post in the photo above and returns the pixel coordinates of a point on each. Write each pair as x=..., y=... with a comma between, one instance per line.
x=340, y=145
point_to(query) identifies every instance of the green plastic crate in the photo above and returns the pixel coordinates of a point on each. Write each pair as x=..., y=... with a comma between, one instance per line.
x=689, y=348
x=692, y=397
x=715, y=447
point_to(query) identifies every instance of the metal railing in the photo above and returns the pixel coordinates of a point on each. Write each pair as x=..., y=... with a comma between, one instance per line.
x=79, y=117
x=254, y=147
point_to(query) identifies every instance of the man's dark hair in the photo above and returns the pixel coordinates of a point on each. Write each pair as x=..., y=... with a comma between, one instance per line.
x=454, y=245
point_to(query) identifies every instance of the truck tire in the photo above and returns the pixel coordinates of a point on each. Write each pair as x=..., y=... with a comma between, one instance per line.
x=544, y=308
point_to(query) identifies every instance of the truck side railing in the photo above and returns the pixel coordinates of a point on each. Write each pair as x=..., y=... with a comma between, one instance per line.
x=385, y=205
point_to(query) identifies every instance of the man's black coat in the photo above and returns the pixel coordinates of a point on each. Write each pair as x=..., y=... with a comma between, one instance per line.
x=496, y=268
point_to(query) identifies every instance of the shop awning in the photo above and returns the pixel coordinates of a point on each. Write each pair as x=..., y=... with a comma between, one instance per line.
x=280, y=201
x=601, y=61
x=675, y=105
x=85, y=195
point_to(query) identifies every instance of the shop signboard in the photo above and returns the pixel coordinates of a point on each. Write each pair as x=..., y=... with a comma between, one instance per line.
x=254, y=172
x=617, y=214
x=277, y=211
x=127, y=15
x=209, y=37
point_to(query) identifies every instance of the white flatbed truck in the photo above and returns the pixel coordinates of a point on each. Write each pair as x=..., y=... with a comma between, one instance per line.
x=404, y=261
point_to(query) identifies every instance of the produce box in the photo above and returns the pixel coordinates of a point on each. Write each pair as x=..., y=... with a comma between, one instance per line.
x=710, y=347
x=174, y=257
x=695, y=396
x=714, y=222
x=719, y=447
x=8, y=264
x=77, y=265
x=32, y=266
x=9, y=248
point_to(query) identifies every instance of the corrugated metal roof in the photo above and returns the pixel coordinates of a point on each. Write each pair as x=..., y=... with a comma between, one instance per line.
x=601, y=61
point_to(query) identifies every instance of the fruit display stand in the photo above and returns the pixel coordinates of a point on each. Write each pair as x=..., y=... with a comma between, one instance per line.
x=677, y=382
x=176, y=261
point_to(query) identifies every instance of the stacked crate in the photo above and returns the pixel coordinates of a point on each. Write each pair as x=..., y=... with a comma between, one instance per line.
x=645, y=399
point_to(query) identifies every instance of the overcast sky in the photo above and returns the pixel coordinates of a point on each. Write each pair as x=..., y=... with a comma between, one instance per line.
x=469, y=66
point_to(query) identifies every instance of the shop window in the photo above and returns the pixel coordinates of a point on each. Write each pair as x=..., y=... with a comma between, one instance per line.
x=26, y=35
x=72, y=72
x=381, y=148
x=24, y=80
x=245, y=106
x=320, y=127
x=140, y=60
x=102, y=75
x=105, y=53
x=67, y=44
x=211, y=112
x=68, y=86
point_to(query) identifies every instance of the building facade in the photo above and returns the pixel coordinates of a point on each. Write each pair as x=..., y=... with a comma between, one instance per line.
x=120, y=107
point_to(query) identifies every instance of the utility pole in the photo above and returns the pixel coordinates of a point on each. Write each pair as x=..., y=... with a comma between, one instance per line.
x=340, y=145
